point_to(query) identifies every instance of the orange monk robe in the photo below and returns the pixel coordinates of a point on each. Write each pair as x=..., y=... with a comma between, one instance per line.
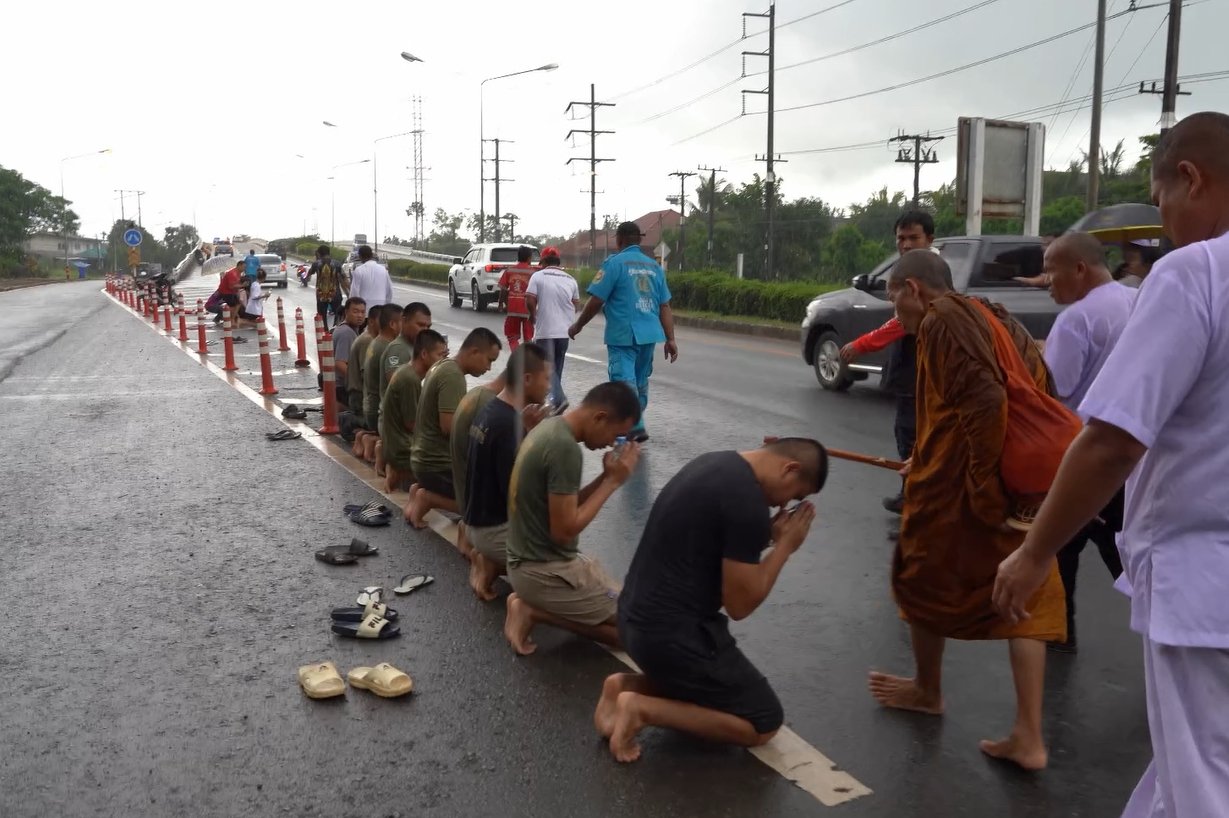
x=952, y=538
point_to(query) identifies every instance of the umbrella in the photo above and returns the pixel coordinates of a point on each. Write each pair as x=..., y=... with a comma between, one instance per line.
x=1122, y=223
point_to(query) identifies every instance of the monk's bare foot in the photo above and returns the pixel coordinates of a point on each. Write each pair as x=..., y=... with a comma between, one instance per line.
x=1028, y=754
x=903, y=694
x=410, y=502
x=626, y=725
x=518, y=624
x=604, y=713
x=414, y=510
x=481, y=578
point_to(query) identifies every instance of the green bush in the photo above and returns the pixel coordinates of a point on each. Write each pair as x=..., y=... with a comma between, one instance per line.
x=710, y=292
x=405, y=268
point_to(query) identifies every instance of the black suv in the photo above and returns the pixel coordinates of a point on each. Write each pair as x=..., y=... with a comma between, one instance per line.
x=981, y=265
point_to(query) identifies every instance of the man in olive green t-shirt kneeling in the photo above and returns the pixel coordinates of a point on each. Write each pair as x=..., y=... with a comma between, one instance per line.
x=399, y=409
x=552, y=582
x=442, y=391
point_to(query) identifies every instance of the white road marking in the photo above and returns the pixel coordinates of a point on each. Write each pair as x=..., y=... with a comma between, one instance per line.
x=787, y=753
x=576, y=357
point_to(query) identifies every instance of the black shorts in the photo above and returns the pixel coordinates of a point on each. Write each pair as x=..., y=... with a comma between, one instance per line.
x=437, y=482
x=702, y=664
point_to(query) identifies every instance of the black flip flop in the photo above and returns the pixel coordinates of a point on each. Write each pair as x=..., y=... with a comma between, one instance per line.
x=293, y=412
x=371, y=627
x=374, y=505
x=372, y=517
x=336, y=558
x=357, y=548
x=284, y=434
x=412, y=582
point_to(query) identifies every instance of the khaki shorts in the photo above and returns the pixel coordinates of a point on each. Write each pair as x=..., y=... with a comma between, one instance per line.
x=490, y=541
x=578, y=590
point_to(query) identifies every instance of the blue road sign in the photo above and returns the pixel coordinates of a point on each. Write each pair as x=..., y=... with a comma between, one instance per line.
x=132, y=237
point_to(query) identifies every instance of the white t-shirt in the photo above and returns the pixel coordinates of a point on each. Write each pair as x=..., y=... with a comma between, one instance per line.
x=256, y=304
x=557, y=293
x=370, y=281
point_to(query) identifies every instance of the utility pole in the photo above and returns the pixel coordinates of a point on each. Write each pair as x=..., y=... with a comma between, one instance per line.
x=1094, y=139
x=917, y=155
x=1169, y=100
x=770, y=180
x=609, y=222
x=593, y=159
x=1170, y=90
x=682, y=245
x=497, y=178
x=139, y=194
x=511, y=217
x=712, y=205
x=418, y=208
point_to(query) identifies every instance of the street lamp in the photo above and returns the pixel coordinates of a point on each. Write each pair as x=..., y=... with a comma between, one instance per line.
x=64, y=202
x=333, y=198
x=482, y=143
x=408, y=57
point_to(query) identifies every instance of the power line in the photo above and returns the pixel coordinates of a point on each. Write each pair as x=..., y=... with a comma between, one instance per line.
x=851, y=50
x=889, y=37
x=718, y=52
x=1121, y=92
x=929, y=77
x=958, y=69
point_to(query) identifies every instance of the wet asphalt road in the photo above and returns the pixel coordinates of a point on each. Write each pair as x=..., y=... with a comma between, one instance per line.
x=161, y=551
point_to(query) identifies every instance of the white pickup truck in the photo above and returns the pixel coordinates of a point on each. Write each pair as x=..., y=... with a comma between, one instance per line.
x=476, y=276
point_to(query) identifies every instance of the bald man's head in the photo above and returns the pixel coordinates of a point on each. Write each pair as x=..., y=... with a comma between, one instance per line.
x=1075, y=264
x=919, y=277
x=1190, y=178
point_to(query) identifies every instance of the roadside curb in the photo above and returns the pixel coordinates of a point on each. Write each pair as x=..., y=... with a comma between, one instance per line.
x=711, y=324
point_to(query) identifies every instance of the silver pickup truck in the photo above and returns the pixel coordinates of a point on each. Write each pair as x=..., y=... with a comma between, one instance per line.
x=985, y=266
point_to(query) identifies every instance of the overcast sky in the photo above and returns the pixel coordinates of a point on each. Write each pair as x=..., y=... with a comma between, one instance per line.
x=206, y=106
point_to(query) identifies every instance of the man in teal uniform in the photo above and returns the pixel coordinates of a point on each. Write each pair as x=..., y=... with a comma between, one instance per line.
x=630, y=290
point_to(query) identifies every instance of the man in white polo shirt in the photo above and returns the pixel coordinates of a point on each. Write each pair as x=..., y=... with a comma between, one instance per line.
x=553, y=298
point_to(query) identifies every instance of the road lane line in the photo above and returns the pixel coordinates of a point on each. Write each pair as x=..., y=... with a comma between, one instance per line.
x=576, y=357
x=788, y=753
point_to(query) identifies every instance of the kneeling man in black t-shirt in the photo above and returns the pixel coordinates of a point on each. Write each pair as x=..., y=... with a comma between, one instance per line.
x=701, y=552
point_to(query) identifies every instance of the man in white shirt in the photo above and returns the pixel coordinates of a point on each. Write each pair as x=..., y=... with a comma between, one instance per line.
x=370, y=280
x=254, y=310
x=1078, y=346
x=1158, y=414
x=553, y=298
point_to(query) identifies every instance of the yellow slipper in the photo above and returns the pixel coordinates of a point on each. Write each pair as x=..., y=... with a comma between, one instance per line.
x=382, y=680
x=321, y=681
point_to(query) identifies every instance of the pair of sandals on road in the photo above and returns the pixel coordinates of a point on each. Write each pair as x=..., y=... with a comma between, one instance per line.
x=371, y=618
x=322, y=681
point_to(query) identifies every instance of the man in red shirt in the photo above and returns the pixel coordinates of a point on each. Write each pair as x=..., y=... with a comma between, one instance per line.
x=915, y=229
x=512, y=286
x=228, y=292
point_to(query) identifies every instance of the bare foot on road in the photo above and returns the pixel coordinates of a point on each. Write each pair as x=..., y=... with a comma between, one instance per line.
x=1029, y=755
x=604, y=713
x=414, y=508
x=626, y=725
x=518, y=624
x=903, y=694
x=482, y=578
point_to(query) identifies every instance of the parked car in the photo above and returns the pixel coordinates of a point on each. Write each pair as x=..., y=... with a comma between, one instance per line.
x=476, y=276
x=275, y=269
x=981, y=265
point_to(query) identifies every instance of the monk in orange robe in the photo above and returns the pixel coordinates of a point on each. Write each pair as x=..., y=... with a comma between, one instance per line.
x=953, y=532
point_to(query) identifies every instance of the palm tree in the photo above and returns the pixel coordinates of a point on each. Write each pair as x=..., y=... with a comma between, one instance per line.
x=705, y=197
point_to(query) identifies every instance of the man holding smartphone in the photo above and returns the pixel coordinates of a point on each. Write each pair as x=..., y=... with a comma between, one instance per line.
x=701, y=552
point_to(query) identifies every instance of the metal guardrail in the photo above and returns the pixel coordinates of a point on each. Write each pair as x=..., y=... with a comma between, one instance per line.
x=396, y=251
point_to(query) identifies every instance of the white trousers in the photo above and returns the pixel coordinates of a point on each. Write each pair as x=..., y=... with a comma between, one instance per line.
x=1188, y=716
